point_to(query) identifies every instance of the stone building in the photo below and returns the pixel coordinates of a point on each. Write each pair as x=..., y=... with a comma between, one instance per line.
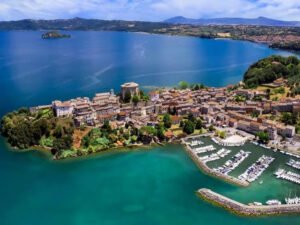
x=131, y=87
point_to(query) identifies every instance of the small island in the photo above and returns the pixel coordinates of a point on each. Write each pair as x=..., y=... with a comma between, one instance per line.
x=55, y=35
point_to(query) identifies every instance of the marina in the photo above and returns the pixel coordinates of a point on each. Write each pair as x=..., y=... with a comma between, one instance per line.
x=292, y=201
x=215, y=156
x=234, y=162
x=254, y=171
x=194, y=143
x=204, y=149
x=288, y=175
x=293, y=163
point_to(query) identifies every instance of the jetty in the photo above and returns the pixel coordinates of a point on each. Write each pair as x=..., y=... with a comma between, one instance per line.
x=234, y=162
x=288, y=175
x=255, y=170
x=247, y=210
x=215, y=156
x=293, y=163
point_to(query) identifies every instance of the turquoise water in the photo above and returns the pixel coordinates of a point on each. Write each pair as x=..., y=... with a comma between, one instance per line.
x=154, y=186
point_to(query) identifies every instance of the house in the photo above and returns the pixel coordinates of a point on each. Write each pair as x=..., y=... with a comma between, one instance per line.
x=233, y=123
x=272, y=133
x=169, y=134
x=175, y=120
x=62, y=109
x=154, y=96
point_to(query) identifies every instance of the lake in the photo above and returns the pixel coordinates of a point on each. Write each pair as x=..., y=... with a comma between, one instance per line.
x=155, y=186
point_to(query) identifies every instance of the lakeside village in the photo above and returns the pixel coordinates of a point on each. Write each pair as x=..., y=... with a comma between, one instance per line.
x=214, y=110
x=211, y=112
x=266, y=114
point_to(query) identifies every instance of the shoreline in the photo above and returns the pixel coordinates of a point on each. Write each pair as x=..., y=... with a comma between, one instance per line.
x=245, y=210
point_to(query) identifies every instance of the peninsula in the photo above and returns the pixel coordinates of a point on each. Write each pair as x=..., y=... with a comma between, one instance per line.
x=263, y=108
x=266, y=105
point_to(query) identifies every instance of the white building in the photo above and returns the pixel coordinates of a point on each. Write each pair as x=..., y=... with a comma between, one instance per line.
x=131, y=87
x=62, y=108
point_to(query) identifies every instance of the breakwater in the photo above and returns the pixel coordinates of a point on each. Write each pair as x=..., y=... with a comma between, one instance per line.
x=210, y=171
x=245, y=210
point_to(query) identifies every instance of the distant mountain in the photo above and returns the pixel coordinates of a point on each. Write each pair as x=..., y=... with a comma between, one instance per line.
x=260, y=21
x=81, y=24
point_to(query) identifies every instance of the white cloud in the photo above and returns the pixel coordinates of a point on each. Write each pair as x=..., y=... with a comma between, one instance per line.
x=154, y=10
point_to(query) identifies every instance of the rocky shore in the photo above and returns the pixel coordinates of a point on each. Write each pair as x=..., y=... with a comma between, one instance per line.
x=245, y=210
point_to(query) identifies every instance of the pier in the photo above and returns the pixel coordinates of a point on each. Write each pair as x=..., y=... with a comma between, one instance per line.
x=245, y=210
x=255, y=170
x=234, y=162
x=288, y=175
x=293, y=163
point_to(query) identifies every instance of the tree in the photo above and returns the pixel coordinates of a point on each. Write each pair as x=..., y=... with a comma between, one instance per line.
x=288, y=118
x=188, y=127
x=263, y=137
x=183, y=85
x=160, y=133
x=63, y=143
x=222, y=134
x=196, y=87
x=127, y=97
x=211, y=128
x=106, y=126
x=181, y=124
x=199, y=124
x=135, y=99
x=191, y=118
x=167, y=121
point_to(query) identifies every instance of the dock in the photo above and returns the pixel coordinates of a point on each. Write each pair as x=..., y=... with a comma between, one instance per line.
x=246, y=210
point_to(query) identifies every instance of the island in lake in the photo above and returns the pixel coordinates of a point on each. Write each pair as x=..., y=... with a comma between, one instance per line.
x=54, y=35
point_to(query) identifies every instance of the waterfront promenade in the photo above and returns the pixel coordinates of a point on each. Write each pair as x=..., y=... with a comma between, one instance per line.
x=245, y=210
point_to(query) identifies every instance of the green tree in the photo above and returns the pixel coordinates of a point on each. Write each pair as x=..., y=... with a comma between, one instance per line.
x=199, y=124
x=263, y=137
x=167, y=121
x=183, y=85
x=191, y=118
x=127, y=97
x=188, y=127
x=288, y=118
x=106, y=126
x=160, y=133
x=211, y=128
x=135, y=99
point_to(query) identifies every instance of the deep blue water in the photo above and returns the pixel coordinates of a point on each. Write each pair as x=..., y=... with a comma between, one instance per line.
x=36, y=71
x=141, y=187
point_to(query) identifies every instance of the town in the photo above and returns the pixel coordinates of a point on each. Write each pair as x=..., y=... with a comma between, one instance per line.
x=216, y=107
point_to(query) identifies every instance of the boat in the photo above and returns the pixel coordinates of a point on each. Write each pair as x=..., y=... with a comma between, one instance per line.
x=273, y=202
x=257, y=203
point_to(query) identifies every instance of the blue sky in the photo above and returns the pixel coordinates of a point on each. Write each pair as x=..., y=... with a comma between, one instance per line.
x=148, y=10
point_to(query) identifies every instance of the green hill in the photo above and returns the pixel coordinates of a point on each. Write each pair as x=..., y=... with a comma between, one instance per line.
x=269, y=69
